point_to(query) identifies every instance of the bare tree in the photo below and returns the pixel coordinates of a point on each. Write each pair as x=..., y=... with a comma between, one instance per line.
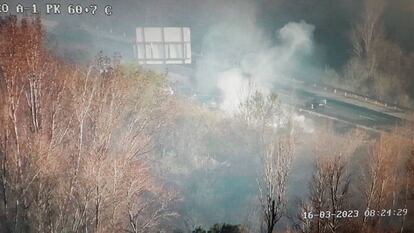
x=302, y=223
x=276, y=143
x=377, y=67
x=329, y=187
x=75, y=143
x=272, y=188
x=334, y=153
x=376, y=177
x=368, y=31
x=366, y=37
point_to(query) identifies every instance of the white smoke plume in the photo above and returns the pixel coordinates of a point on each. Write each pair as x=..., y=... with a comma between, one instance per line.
x=241, y=55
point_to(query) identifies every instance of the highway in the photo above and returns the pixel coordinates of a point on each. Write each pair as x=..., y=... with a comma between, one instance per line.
x=342, y=106
x=342, y=112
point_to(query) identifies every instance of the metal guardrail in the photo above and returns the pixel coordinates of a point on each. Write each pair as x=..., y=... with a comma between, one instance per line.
x=352, y=95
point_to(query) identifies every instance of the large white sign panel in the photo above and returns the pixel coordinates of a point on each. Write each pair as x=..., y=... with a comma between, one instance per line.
x=163, y=45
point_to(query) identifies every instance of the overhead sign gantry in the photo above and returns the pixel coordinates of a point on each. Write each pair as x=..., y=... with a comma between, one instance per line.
x=163, y=45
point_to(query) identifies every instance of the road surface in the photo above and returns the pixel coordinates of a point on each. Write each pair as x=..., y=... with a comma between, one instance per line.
x=360, y=112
